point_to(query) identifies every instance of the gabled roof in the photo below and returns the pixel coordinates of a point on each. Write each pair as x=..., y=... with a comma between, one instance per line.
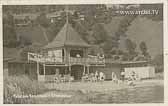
x=67, y=37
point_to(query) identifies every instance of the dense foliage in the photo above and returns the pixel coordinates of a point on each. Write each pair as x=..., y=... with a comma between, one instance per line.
x=90, y=26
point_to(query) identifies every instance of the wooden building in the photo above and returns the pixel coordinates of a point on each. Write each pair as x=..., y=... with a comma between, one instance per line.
x=67, y=53
x=17, y=68
x=143, y=69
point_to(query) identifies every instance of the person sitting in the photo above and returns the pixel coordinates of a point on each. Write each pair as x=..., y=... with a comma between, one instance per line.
x=94, y=79
x=85, y=77
x=78, y=55
x=133, y=75
x=100, y=57
x=71, y=78
x=56, y=78
x=102, y=76
x=114, y=78
x=62, y=78
x=130, y=82
x=122, y=75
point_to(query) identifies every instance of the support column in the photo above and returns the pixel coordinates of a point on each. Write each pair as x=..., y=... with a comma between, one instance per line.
x=69, y=69
x=65, y=55
x=44, y=72
x=88, y=69
x=84, y=69
x=44, y=69
x=37, y=70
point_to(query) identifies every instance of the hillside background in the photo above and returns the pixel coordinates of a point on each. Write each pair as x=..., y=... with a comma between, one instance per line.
x=117, y=36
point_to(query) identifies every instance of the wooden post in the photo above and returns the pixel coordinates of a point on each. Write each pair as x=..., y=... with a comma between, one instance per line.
x=44, y=69
x=28, y=57
x=84, y=70
x=70, y=69
x=37, y=70
x=88, y=69
x=65, y=55
x=44, y=72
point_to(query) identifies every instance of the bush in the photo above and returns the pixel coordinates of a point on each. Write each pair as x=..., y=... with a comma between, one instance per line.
x=159, y=75
x=20, y=85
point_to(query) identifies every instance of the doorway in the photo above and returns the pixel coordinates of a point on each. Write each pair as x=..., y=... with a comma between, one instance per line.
x=77, y=71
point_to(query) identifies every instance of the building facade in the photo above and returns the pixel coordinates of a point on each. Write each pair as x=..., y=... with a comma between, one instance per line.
x=67, y=53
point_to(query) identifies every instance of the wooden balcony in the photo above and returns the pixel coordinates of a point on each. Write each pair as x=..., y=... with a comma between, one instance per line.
x=74, y=60
x=71, y=60
x=86, y=60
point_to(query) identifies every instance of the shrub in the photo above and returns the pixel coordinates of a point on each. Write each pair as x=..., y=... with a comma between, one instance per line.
x=20, y=85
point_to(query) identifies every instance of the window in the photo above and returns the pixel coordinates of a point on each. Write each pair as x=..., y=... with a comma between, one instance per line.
x=76, y=53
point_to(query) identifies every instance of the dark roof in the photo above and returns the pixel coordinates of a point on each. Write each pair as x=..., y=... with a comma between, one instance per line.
x=37, y=35
x=12, y=54
x=15, y=54
x=9, y=53
x=67, y=37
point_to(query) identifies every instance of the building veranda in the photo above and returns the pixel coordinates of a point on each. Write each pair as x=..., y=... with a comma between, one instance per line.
x=66, y=54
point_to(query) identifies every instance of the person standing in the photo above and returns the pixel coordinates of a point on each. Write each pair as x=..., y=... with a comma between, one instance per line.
x=101, y=76
x=96, y=75
x=122, y=75
x=114, y=77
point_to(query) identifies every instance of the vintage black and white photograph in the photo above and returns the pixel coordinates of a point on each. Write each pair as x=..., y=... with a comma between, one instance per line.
x=83, y=53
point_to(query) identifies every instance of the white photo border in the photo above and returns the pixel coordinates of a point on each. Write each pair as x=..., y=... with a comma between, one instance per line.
x=62, y=2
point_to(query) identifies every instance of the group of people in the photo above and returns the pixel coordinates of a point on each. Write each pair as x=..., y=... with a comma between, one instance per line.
x=116, y=79
x=130, y=78
x=94, y=77
x=58, y=78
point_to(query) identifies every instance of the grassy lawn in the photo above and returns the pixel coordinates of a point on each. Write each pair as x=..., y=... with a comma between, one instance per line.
x=146, y=94
x=147, y=91
x=103, y=87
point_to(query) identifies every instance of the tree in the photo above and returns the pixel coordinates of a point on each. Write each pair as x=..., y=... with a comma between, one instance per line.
x=75, y=15
x=99, y=34
x=124, y=24
x=9, y=33
x=107, y=46
x=158, y=62
x=143, y=48
x=24, y=41
x=43, y=20
x=131, y=46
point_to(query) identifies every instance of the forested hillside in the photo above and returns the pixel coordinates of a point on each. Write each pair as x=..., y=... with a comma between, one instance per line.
x=120, y=37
